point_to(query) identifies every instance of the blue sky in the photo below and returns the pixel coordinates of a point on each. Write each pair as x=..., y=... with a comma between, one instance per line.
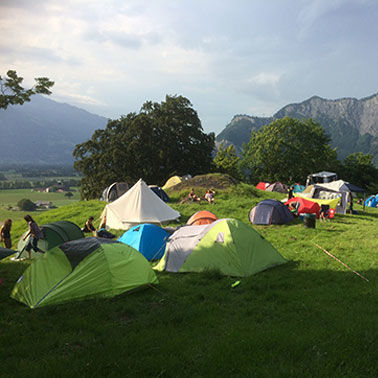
x=227, y=57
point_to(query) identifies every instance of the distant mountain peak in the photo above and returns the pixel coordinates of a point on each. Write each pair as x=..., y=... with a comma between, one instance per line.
x=352, y=124
x=45, y=131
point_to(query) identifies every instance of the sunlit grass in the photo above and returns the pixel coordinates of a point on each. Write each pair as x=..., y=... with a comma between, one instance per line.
x=310, y=317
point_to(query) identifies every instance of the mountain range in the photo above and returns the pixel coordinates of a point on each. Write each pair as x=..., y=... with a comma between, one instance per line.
x=352, y=124
x=44, y=131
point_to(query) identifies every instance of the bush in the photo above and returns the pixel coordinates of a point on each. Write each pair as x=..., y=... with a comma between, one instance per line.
x=68, y=194
x=26, y=204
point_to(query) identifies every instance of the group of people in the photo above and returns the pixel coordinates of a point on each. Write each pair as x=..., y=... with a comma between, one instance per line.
x=34, y=233
x=209, y=196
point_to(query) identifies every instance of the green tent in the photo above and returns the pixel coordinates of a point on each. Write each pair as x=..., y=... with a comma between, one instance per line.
x=84, y=268
x=53, y=234
x=5, y=252
x=227, y=245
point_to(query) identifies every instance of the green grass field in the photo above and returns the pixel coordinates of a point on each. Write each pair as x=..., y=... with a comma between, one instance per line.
x=10, y=197
x=311, y=317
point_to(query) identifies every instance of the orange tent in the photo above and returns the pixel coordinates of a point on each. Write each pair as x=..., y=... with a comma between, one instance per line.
x=262, y=185
x=201, y=217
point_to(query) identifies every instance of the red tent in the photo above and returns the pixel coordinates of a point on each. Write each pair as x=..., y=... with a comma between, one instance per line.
x=305, y=206
x=262, y=185
x=202, y=217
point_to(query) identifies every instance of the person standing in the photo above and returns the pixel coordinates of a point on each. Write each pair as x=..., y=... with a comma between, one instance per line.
x=290, y=192
x=5, y=233
x=35, y=234
x=351, y=203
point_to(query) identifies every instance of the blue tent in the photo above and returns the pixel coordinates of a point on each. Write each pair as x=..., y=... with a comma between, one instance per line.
x=372, y=201
x=148, y=239
x=298, y=188
x=160, y=193
x=270, y=211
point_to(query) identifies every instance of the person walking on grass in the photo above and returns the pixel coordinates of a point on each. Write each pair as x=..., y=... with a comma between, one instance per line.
x=35, y=234
x=5, y=233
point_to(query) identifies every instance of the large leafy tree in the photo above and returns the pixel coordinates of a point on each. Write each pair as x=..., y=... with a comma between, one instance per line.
x=359, y=169
x=226, y=161
x=162, y=140
x=12, y=92
x=287, y=150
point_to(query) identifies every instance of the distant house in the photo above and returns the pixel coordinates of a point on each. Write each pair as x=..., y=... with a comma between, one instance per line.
x=44, y=204
x=57, y=188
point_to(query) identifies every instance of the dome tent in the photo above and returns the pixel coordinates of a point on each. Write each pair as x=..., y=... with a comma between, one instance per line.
x=148, y=239
x=172, y=181
x=277, y=187
x=372, y=201
x=114, y=191
x=5, y=252
x=85, y=268
x=227, y=245
x=53, y=234
x=270, y=211
x=160, y=192
x=202, y=217
x=262, y=185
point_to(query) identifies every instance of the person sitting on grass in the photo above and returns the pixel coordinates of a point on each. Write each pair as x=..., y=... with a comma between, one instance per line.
x=102, y=232
x=324, y=212
x=35, y=234
x=209, y=196
x=89, y=227
x=193, y=197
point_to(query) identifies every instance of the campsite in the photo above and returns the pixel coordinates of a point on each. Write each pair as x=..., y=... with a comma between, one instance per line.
x=310, y=316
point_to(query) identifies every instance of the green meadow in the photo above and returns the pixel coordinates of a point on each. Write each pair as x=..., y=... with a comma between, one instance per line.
x=10, y=197
x=307, y=318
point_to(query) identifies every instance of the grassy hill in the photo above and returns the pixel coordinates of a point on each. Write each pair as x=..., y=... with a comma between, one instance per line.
x=309, y=317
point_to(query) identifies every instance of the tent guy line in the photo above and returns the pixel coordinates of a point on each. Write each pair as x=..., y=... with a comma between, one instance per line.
x=330, y=254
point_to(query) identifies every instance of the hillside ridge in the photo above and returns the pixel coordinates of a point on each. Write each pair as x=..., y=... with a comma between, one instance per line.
x=351, y=123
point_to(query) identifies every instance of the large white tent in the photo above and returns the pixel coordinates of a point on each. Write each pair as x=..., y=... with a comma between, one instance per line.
x=138, y=205
x=341, y=186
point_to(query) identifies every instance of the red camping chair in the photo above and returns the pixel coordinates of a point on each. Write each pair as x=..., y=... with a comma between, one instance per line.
x=331, y=213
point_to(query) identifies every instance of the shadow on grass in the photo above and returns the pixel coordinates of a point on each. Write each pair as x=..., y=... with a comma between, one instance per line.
x=366, y=214
x=287, y=318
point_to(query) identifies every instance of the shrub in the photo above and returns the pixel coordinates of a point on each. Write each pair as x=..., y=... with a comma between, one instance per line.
x=26, y=204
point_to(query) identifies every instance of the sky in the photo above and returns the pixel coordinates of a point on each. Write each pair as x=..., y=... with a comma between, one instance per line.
x=227, y=57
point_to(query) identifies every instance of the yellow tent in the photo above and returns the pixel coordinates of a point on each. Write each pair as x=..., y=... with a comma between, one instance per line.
x=174, y=180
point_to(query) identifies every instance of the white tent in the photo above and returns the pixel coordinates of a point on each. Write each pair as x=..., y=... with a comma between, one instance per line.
x=138, y=205
x=341, y=186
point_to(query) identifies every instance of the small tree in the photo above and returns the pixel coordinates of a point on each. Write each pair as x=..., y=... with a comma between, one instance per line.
x=12, y=93
x=226, y=161
x=68, y=194
x=26, y=205
x=359, y=169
